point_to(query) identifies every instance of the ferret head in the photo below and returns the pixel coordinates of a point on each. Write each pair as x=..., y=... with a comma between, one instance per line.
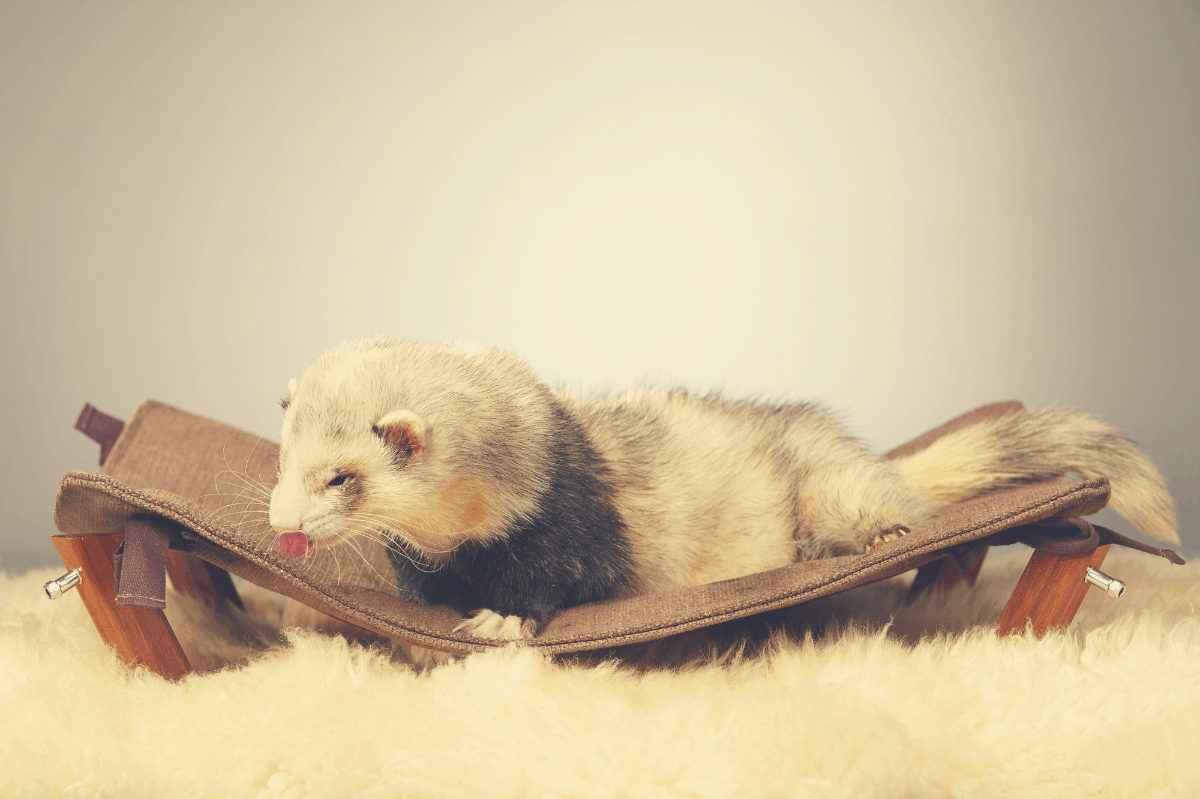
x=425, y=443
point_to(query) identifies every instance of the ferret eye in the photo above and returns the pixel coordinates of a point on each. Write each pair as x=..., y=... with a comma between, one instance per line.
x=341, y=479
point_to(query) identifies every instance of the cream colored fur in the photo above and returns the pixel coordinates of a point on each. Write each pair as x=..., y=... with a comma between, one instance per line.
x=710, y=497
x=708, y=489
x=966, y=462
x=929, y=706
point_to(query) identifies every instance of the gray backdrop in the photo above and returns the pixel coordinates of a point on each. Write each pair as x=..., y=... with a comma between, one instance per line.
x=900, y=210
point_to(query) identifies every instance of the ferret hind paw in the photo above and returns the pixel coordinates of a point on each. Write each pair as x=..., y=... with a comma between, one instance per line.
x=887, y=536
x=484, y=623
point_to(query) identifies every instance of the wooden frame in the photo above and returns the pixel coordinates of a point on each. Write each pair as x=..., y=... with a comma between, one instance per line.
x=1047, y=596
x=141, y=636
x=941, y=575
x=1049, y=592
x=201, y=580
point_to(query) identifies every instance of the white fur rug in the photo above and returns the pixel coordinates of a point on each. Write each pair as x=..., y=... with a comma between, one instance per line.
x=933, y=704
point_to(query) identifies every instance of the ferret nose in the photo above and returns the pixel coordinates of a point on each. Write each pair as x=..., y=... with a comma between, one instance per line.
x=280, y=520
x=284, y=527
x=283, y=523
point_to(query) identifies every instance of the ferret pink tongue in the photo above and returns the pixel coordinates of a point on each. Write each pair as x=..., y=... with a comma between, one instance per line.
x=293, y=544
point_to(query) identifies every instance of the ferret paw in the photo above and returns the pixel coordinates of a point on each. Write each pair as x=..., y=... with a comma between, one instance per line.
x=887, y=536
x=425, y=659
x=484, y=623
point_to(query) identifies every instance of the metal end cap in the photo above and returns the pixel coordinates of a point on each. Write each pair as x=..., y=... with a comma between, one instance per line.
x=56, y=588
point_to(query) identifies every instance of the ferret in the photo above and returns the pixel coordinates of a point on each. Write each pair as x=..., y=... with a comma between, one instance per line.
x=500, y=496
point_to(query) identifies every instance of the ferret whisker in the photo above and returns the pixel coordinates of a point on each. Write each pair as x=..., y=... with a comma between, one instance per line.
x=242, y=479
x=350, y=542
x=425, y=547
x=236, y=495
x=241, y=499
x=235, y=508
x=389, y=520
x=395, y=546
x=238, y=518
x=250, y=454
x=265, y=537
x=333, y=554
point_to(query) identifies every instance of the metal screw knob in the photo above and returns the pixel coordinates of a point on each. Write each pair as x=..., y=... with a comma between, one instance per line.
x=1109, y=585
x=56, y=588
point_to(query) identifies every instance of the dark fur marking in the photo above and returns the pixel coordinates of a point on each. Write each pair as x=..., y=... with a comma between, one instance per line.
x=575, y=551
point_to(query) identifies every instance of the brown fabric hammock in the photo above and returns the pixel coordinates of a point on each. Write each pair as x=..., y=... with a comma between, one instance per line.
x=202, y=486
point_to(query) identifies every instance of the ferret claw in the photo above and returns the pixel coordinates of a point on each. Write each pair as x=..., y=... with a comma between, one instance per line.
x=887, y=537
x=484, y=623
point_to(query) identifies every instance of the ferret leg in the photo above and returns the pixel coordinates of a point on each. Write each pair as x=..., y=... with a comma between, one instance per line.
x=855, y=507
x=484, y=623
x=424, y=658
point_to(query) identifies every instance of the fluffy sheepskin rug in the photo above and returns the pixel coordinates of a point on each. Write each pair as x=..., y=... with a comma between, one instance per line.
x=853, y=696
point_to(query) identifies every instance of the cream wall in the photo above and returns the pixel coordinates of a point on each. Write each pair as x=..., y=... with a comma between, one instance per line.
x=902, y=210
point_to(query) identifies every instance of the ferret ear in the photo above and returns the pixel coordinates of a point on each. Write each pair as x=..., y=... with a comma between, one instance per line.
x=286, y=401
x=404, y=432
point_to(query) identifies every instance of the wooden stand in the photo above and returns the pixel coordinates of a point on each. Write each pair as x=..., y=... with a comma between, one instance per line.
x=201, y=580
x=141, y=636
x=1048, y=595
x=941, y=576
x=1049, y=592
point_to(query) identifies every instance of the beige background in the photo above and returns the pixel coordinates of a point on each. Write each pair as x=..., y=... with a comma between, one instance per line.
x=902, y=210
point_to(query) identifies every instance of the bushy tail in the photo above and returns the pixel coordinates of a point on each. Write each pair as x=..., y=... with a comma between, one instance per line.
x=1029, y=447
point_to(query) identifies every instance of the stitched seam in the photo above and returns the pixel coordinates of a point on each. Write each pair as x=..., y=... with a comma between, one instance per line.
x=134, y=497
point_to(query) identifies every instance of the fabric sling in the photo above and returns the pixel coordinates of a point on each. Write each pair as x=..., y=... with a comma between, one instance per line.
x=171, y=479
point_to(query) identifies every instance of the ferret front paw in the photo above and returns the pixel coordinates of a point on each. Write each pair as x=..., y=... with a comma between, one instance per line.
x=484, y=623
x=887, y=536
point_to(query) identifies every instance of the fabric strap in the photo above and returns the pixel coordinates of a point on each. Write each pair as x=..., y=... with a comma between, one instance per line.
x=140, y=563
x=1072, y=538
x=101, y=428
x=1110, y=537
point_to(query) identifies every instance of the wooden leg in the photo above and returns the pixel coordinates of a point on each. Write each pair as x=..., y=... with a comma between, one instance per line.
x=942, y=575
x=201, y=580
x=1049, y=592
x=141, y=636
